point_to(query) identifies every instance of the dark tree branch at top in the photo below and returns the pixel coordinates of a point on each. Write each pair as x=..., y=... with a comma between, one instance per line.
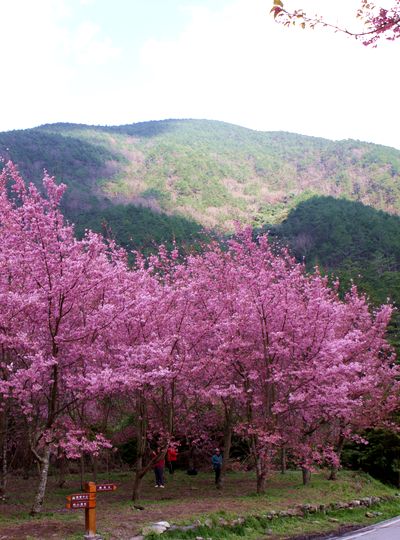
x=378, y=22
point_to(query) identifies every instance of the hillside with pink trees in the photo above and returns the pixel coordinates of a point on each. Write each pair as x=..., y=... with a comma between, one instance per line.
x=234, y=341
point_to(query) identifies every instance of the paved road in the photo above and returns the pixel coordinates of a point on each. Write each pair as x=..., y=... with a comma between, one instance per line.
x=387, y=530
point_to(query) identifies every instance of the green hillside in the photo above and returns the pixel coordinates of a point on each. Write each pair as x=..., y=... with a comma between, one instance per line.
x=162, y=181
x=351, y=241
x=208, y=172
x=331, y=231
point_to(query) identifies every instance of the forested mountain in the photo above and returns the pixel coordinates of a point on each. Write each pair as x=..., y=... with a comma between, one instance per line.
x=205, y=171
x=160, y=181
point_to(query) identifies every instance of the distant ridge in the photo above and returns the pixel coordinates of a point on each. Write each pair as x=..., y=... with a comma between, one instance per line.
x=206, y=171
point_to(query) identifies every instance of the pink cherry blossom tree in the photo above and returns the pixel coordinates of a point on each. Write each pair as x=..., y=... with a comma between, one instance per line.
x=71, y=285
x=286, y=349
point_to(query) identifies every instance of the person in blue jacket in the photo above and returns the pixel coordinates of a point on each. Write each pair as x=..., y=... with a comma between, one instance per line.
x=216, y=461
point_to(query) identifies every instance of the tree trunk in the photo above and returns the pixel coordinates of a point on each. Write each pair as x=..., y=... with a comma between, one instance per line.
x=227, y=444
x=3, y=449
x=62, y=471
x=141, y=429
x=261, y=472
x=333, y=474
x=94, y=467
x=261, y=480
x=334, y=470
x=108, y=465
x=227, y=449
x=27, y=465
x=44, y=460
x=141, y=471
x=283, y=460
x=259, y=458
x=306, y=473
x=82, y=471
x=137, y=483
x=191, y=457
x=44, y=471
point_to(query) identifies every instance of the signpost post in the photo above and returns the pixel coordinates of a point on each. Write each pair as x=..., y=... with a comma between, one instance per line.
x=90, y=511
x=87, y=501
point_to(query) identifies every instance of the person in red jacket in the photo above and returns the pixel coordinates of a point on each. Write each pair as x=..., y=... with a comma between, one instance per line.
x=172, y=456
x=159, y=469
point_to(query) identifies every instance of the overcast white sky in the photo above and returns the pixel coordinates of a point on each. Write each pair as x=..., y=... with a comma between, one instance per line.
x=124, y=61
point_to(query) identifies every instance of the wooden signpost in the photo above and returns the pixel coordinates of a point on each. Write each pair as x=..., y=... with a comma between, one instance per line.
x=87, y=501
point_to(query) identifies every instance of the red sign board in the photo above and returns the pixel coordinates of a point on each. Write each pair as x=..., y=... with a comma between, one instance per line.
x=80, y=500
x=88, y=502
x=79, y=497
x=78, y=505
x=106, y=487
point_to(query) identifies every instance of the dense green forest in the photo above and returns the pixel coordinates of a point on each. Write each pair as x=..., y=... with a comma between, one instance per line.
x=139, y=228
x=206, y=171
x=349, y=240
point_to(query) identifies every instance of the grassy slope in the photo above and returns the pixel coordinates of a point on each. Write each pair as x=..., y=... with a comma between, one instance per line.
x=311, y=526
x=188, y=498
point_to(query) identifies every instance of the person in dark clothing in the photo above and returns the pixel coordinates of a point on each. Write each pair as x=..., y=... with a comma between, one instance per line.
x=216, y=461
x=159, y=470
